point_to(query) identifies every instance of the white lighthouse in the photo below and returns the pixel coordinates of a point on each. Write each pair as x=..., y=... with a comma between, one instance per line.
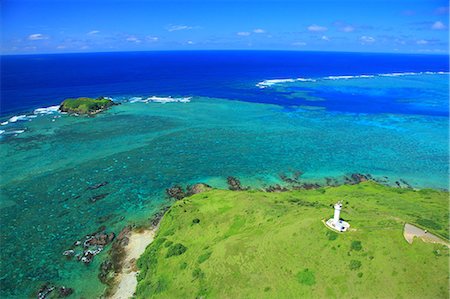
x=336, y=223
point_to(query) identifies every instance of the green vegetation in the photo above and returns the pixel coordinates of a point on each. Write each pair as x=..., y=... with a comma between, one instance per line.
x=176, y=249
x=85, y=105
x=306, y=277
x=356, y=245
x=355, y=265
x=252, y=244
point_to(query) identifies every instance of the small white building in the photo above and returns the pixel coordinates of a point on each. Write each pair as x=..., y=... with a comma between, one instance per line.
x=336, y=223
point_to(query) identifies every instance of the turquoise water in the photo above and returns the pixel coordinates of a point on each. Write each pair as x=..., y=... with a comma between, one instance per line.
x=142, y=148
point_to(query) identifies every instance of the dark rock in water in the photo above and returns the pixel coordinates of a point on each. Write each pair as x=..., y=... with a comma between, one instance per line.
x=405, y=184
x=356, y=178
x=331, y=182
x=197, y=188
x=98, y=197
x=64, y=292
x=106, y=271
x=157, y=217
x=276, y=188
x=100, y=239
x=69, y=253
x=122, y=239
x=176, y=192
x=294, y=179
x=97, y=186
x=50, y=290
x=287, y=179
x=111, y=237
x=234, y=184
x=297, y=175
x=45, y=290
x=310, y=186
x=87, y=257
x=93, y=245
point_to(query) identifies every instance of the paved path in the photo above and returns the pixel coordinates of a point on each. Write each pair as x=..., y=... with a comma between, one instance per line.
x=410, y=231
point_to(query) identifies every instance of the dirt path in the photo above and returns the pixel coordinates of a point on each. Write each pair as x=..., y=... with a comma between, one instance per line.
x=410, y=231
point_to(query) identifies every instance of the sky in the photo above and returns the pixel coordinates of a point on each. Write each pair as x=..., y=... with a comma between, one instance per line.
x=398, y=26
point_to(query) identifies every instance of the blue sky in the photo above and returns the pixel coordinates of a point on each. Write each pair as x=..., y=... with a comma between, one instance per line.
x=414, y=26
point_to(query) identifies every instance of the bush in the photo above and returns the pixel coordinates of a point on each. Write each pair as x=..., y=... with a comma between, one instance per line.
x=197, y=273
x=176, y=249
x=332, y=235
x=204, y=257
x=355, y=265
x=196, y=220
x=428, y=223
x=306, y=277
x=356, y=245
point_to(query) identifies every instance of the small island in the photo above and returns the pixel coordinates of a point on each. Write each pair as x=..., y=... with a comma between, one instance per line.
x=86, y=106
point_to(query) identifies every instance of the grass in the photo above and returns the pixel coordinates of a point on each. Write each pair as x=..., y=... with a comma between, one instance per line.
x=85, y=105
x=251, y=244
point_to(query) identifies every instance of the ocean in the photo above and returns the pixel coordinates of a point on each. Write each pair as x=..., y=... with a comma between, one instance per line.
x=197, y=116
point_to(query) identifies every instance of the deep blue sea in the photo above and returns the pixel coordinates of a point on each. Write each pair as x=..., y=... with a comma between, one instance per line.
x=29, y=82
x=199, y=116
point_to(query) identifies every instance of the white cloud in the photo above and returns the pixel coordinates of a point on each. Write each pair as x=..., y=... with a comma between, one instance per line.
x=189, y=42
x=243, y=33
x=325, y=38
x=152, y=38
x=37, y=36
x=61, y=47
x=348, y=28
x=438, y=26
x=421, y=42
x=93, y=32
x=300, y=44
x=178, y=28
x=133, y=39
x=317, y=28
x=366, y=39
x=259, y=30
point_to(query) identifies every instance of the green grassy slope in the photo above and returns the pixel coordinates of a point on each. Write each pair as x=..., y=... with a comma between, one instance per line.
x=225, y=244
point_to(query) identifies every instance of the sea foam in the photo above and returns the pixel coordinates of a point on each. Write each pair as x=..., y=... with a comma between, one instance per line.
x=268, y=83
x=46, y=110
x=163, y=100
x=17, y=118
x=271, y=82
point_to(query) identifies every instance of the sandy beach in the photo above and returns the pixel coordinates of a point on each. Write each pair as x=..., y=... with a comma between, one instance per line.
x=126, y=280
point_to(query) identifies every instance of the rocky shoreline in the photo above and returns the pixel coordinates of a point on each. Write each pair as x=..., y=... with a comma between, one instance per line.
x=84, y=250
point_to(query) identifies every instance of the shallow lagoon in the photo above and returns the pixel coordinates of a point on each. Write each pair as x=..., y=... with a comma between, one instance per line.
x=142, y=148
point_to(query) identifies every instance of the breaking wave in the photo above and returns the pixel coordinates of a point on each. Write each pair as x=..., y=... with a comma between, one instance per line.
x=271, y=82
x=163, y=100
x=46, y=110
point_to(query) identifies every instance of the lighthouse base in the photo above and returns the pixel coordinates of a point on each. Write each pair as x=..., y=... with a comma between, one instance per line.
x=340, y=226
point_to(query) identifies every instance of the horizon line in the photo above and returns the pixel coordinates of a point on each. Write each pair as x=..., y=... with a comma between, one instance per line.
x=228, y=50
